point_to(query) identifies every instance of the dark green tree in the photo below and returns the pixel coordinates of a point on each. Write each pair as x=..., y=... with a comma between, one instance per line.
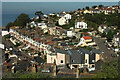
x=101, y=6
x=108, y=70
x=109, y=35
x=21, y=20
x=94, y=7
x=87, y=7
x=103, y=34
x=39, y=13
x=10, y=24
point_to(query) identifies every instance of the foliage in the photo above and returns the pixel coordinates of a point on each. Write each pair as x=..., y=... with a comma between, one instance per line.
x=109, y=70
x=87, y=7
x=103, y=34
x=39, y=13
x=109, y=35
x=21, y=20
x=98, y=19
x=10, y=24
x=94, y=7
x=22, y=75
x=17, y=44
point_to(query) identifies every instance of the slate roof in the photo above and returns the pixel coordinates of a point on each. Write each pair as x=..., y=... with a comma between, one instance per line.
x=76, y=57
x=22, y=65
x=60, y=51
x=39, y=60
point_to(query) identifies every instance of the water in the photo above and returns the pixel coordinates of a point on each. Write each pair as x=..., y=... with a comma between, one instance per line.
x=10, y=10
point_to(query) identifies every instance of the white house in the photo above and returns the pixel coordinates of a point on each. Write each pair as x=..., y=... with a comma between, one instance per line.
x=62, y=21
x=86, y=41
x=4, y=33
x=42, y=25
x=80, y=25
x=67, y=16
x=69, y=33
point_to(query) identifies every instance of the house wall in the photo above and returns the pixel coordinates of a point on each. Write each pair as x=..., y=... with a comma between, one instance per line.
x=51, y=58
x=88, y=40
x=59, y=58
x=97, y=57
x=62, y=21
x=87, y=58
x=67, y=59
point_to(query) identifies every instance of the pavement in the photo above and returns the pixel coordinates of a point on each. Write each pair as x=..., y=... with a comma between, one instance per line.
x=107, y=53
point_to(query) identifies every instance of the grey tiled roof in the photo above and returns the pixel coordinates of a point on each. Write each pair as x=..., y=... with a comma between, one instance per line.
x=60, y=51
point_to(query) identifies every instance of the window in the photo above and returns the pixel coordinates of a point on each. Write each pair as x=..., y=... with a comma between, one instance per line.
x=61, y=61
x=93, y=66
x=72, y=60
x=86, y=61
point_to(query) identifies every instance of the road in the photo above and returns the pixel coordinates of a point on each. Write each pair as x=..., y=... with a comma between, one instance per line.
x=8, y=43
x=107, y=53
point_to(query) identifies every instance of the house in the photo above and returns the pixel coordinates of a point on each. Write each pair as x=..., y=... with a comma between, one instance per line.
x=60, y=56
x=62, y=21
x=69, y=33
x=80, y=25
x=116, y=40
x=109, y=11
x=115, y=6
x=73, y=58
x=67, y=16
x=86, y=12
x=86, y=41
x=96, y=11
x=42, y=25
x=101, y=28
x=83, y=58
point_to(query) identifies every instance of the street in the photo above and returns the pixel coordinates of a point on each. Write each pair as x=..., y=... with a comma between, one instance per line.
x=8, y=43
x=107, y=53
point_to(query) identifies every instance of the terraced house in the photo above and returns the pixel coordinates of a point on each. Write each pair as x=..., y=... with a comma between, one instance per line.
x=73, y=58
x=31, y=38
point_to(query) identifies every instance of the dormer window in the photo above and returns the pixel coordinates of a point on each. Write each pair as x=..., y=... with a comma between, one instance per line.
x=73, y=61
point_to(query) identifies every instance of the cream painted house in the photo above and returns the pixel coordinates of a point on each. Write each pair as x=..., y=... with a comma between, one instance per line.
x=60, y=56
x=62, y=21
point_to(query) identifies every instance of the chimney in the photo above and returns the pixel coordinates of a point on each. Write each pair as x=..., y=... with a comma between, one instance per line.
x=13, y=69
x=28, y=68
x=77, y=73
x=34, y=68
x=15, y=61
x=54, y=68
x=85, y=70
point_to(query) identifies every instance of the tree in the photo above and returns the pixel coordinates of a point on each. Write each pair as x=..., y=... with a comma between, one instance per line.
x=87, y=7
x=94, y=7
x=39, y=13
x=103, y=34
x=108, y=70
x=10, y=24
x=109, y=35
x=21, y=20
x=101, y=6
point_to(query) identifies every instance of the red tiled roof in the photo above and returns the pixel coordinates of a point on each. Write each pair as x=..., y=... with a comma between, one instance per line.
x=87, y=37
x=109, y=9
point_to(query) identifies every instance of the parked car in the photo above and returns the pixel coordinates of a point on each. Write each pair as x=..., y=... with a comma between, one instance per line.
x=47, y=71
x=108, y=47
x=10, y=48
